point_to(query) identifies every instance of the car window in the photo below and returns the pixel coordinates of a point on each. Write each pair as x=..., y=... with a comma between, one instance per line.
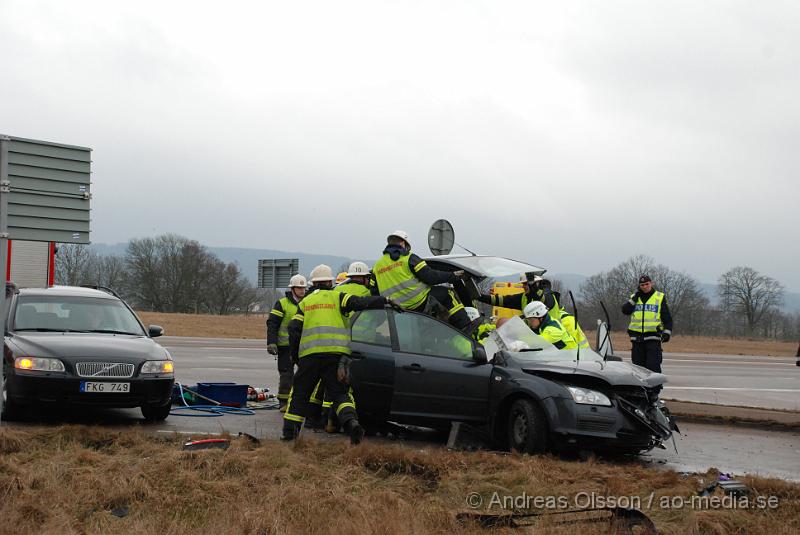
x=372, y=327
x=73, y=313
x=426, y=336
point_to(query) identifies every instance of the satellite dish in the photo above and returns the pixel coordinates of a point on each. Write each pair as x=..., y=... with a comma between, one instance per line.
x=441, y=237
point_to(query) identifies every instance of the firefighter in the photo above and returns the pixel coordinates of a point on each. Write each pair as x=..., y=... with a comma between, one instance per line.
x=535, y=289
x=278, y=335
x=411, y=283
x=651, y=324
x=568, y=322
x=539, y=320
x=479, y=329
x=357, y=280
x=320, y=340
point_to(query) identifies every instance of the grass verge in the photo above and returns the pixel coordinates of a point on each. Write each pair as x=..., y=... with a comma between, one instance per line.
x=75, y=479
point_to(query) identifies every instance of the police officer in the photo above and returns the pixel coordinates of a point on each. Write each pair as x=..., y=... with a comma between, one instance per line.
x=651, y=324
x=320, y=338
x=539, y=320
x=278, y=335
x=411, y=283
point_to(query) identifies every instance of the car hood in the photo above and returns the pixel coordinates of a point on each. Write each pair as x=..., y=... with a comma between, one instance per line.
x=613, y=373
x=483, y=266
x=67, y=345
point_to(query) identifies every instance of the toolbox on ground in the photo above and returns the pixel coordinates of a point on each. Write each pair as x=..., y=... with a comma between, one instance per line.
x=229, y=394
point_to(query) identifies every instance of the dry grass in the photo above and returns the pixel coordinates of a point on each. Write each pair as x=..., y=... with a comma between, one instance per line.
x=712, y=345
x=254, y=326
x=70, y=479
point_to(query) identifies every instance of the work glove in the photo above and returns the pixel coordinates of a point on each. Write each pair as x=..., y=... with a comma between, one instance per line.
x=343, y=372
x=665, y=336
x=272, y=349
x=391, y=303
x=460, y=274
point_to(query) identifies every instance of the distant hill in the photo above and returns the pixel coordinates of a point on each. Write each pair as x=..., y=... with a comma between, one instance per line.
x=248, y=262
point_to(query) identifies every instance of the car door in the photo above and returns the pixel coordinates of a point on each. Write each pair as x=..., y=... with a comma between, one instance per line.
x=435, y=375
x=372, y=370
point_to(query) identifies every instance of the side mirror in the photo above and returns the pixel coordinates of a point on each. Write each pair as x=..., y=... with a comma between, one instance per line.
x=479, y=355
x=154, y=331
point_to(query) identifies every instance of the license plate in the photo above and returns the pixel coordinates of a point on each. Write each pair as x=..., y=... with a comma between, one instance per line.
x=105, y=388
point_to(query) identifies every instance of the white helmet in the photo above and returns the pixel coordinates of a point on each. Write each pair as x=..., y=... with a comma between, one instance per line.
x=535, y=309
x=472, y=313
x=402, y=234
x=297, y=281
x=358, y=269
x=523, y=277
x=322, y=273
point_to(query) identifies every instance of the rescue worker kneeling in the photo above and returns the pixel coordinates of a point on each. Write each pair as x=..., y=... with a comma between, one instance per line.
x=540, y=322
x=320, y=338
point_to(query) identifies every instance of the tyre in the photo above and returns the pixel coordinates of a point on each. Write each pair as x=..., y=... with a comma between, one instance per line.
x=11, y=410
x=527, y=428
x=156, y=413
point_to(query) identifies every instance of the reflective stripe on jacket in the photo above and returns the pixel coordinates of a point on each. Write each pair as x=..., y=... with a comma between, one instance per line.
x=552, y=331
x=397, y=281
x=568, y=322
x=324, y=327
x=646, y=316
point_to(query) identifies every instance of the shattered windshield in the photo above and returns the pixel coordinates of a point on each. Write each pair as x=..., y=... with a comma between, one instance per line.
x=515, y=336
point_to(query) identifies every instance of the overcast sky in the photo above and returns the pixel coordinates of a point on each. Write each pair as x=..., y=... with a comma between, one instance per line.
x=572, y=135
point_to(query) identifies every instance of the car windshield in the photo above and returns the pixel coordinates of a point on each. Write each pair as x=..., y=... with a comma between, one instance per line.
x=515, y=336
x=488, y=266
x=60, y=313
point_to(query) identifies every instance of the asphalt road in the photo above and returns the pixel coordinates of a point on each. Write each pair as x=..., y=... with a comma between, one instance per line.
x=751, y=381
x=736, y=380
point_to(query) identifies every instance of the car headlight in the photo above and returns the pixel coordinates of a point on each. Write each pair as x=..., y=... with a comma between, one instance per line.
x=584, y=396
x=39, y=364
x=158, y=366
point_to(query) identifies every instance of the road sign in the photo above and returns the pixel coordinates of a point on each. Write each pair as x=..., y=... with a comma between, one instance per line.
x=44, y=196
x=275, y=273
x=48, y=190
x=441, y=237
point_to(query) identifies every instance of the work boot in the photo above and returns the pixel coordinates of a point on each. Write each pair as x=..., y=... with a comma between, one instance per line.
x=355, y=431
x=291, y=430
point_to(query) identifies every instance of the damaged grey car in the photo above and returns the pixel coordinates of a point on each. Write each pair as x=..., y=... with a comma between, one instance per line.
x=525, y=394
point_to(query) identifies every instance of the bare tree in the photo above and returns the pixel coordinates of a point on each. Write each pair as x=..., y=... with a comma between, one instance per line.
x=147, y=288
x=744, y=290
x=686, y=300
x=73, y=264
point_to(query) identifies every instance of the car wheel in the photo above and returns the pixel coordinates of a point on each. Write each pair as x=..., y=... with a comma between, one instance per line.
x=156, y=413
x=11, y=410
x=527, y=429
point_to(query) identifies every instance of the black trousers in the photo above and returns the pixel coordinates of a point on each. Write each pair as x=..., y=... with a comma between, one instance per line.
x=285, y=373
x=312, y=369
x=456, y=315
x=647, y=354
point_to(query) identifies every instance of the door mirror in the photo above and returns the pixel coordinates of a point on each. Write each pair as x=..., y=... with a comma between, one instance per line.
x=479, y=355
x=154, y=331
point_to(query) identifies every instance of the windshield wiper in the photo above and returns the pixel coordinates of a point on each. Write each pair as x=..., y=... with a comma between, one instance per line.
x=112, y=331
